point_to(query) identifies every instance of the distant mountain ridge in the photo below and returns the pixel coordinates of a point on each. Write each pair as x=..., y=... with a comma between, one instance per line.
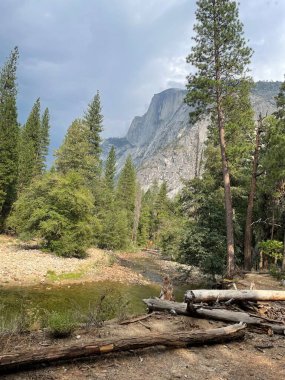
x=165, y=145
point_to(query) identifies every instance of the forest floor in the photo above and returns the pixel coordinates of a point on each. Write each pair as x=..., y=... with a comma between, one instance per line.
x=232, y=361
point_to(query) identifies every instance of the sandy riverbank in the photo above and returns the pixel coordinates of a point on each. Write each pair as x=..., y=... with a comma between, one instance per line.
x=22, y=266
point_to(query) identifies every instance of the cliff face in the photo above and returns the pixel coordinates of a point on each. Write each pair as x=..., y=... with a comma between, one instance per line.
x=166, y=145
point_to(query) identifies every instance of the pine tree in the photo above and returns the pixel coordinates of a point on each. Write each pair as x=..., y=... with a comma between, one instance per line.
x=44, y=139
x=9, y=132
x=252, y=194
x=30, y=148
x=110, y=169
x=143, y=234
x=73, y=155
x=280, y=103
x=94, y=119
x=126, y=190
x=137, y=213
x=220, y=56
x=59, y=209
x=272, y=187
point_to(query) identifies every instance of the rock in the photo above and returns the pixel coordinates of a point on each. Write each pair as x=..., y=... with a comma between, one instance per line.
x=165, y=145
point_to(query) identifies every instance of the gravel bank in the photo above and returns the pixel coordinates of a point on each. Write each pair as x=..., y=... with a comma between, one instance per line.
x=20, y=265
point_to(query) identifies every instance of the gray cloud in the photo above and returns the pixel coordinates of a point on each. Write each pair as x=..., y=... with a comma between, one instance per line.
x=128, y=49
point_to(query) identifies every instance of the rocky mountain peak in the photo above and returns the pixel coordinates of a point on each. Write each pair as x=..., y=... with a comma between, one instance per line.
x=165, y=145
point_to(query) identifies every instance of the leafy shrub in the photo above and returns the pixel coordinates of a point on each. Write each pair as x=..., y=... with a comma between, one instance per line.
x=59, y=209
x=60, y=325
x=272, y=248
x=108, y=304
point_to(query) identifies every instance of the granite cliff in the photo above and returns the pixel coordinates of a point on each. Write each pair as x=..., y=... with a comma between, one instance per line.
x=166, y=145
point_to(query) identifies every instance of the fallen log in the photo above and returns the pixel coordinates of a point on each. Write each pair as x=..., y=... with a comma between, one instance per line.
x=156, y=304
x=21, y=360
x=213, y=295
x=223, y=315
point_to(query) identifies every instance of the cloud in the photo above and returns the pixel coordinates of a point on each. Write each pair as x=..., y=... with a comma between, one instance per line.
x=128, y=49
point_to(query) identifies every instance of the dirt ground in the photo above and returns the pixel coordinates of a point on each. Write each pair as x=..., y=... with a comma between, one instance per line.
x=247, y=359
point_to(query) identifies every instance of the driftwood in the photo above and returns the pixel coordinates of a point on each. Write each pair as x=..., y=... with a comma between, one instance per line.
x=155, y=304
x=205, y=295
x=137, y=319
x=224, y=315
x=16, y=361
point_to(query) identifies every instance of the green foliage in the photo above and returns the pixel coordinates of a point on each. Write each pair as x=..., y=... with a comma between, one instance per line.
x=30, y=148
x=94, y=119
x=272, y=248
x=204, y=237
x=108, y=304
x=61, y=325
x=73, y=155
x=9, y=133
x=115, y=233
x=159, y=220
x=110, y=169
x=52, y=276
x=147, y=224
x=219, y=45
x=33, y=146
x=171, y=236
x=126, y=191
x=59, y=209
x=44, y=139
x=270, y=200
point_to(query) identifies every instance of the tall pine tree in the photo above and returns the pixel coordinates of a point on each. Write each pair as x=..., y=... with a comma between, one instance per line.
x=30, y=148
x=110, y=169
x=220, y=57
x=9, y=132
x=73, y=155
x=126, y=190
x=44, y=139
x=94, y=119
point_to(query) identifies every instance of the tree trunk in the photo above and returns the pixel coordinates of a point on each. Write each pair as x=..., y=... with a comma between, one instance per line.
x=228, y=199
x=205, y=295
x=261, y=262
x=196, y=311
x=283, y=261
x=21, y=360
x=249, y=213
x=225, y=168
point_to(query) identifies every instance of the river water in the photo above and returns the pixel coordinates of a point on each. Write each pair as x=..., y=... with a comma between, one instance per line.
x=101, y=300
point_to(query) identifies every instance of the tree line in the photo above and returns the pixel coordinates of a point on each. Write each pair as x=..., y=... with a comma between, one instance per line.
x=79, y=201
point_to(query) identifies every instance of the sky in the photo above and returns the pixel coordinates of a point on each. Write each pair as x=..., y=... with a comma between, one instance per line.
x=127, y=49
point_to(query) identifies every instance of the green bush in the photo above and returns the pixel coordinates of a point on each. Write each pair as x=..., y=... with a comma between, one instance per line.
x=272, y=248
x=109, y=304
x=60, y=325
x=59, y=209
